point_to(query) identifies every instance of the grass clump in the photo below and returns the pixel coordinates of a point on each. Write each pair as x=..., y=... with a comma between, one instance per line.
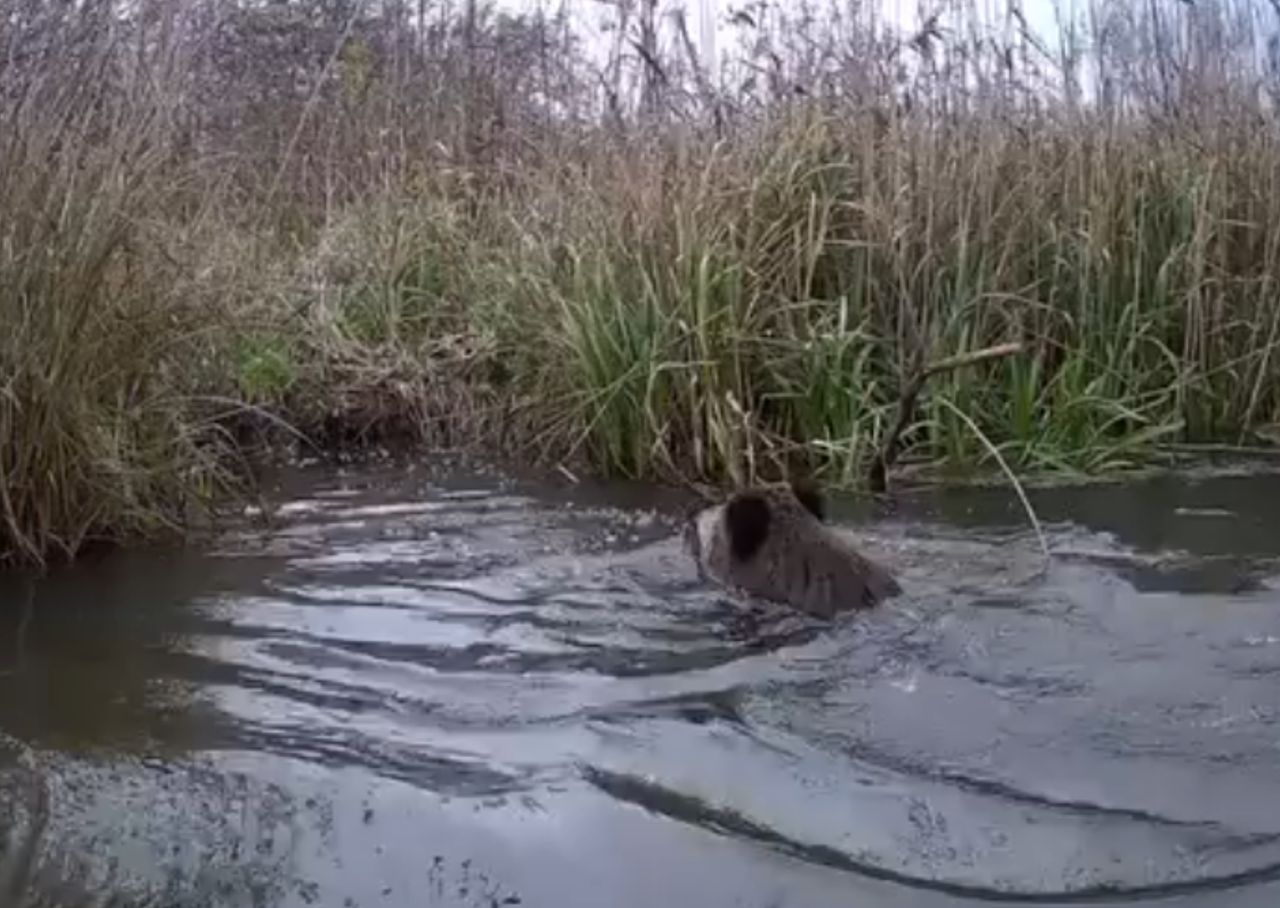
x=453, y=227
x=100, y=347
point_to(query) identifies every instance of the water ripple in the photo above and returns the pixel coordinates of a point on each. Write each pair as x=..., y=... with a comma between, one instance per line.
x=494, y=660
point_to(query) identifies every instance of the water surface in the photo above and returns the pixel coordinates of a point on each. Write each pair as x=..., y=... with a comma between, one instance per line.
x=455, y=689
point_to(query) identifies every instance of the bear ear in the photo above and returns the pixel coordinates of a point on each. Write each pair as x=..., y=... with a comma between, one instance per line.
x=746, y=519
x=810, y=498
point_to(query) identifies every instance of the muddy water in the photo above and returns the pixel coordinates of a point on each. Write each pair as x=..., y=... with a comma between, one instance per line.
x=466, y=691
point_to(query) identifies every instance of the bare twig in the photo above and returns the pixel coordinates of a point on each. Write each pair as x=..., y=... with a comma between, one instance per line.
x=1013, y=479
x=879, y=474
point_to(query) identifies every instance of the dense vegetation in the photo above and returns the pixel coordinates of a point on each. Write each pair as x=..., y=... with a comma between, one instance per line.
x=434, y=222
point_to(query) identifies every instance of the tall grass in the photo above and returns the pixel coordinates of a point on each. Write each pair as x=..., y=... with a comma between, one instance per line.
x=99, y=353
x=451, y=228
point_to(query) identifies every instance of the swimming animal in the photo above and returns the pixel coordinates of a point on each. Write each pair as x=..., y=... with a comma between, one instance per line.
x=771, y=542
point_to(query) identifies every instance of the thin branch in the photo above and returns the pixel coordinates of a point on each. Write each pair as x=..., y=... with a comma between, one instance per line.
x=1013, y=479
x=879, y=473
